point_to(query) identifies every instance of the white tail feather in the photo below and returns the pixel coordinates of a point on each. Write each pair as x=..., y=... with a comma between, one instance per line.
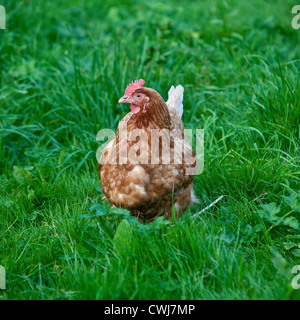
x=175, y=99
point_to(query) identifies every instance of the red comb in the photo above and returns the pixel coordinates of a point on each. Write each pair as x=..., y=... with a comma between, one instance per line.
x=133, y=86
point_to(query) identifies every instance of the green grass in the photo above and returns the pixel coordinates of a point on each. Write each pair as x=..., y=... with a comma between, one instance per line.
x=64, y=64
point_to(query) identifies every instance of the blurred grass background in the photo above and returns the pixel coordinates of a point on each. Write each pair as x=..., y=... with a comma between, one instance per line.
x=64, y=64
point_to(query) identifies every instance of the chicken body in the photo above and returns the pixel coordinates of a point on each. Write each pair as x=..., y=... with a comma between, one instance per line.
x=159, y=164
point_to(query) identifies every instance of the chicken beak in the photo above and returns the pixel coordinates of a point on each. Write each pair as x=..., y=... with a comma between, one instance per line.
x=124, y=99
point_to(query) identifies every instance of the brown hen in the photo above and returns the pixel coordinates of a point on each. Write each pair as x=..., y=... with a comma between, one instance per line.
x=148, y=168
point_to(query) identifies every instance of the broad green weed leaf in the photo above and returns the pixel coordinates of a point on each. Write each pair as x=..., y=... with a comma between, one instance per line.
x=296, y=252
x=160, y=221
x=119, y=211
x=293, y=200
x=22, y=175
x=289, y=245
x=32, y=216
x=291, y=222
x=270, y=212
x=123, y=236
x=30, y=194
x=99, y=209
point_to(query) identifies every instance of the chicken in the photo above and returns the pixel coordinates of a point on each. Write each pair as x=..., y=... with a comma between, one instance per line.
x=149, y=167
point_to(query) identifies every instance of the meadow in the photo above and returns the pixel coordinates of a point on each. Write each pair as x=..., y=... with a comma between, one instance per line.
x=65, y=64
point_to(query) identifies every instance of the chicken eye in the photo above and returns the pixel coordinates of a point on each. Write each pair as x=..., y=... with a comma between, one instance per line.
x=138, y=95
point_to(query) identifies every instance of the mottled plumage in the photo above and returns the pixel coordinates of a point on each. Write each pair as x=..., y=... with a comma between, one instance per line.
x=147, y=184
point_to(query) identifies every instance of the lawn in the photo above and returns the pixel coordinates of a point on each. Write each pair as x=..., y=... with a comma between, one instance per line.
x=65, y=64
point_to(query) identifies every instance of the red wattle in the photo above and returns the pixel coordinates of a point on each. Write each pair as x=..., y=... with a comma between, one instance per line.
x=135, y=109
